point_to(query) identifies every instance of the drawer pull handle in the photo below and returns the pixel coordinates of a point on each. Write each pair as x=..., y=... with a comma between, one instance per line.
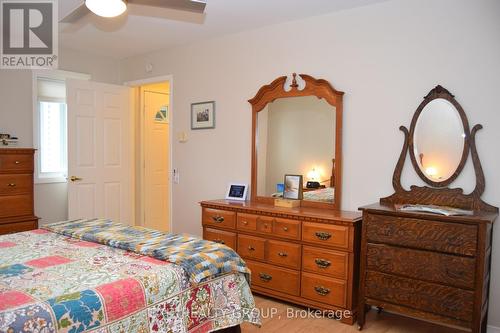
x=322, y=263
x=17, y=162
x=251, y=248
x=322, y=291
x=220, y=241
x=323, y=235
x=218, y=219
x=285, y=228
x=11, y=185
x=283, y=254
x=245, y=222
x=265, y=277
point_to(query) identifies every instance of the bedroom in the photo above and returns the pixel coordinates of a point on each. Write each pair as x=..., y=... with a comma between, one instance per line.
x=385, y=55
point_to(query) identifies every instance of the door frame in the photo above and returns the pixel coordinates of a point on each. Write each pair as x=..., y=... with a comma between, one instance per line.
x=138, y=108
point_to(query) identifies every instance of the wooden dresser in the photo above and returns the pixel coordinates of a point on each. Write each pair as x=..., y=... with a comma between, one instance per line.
x=427, y=266
x=307, y=256
x=16, y=190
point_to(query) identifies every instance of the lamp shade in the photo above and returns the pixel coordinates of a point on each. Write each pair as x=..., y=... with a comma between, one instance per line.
x=106, y=8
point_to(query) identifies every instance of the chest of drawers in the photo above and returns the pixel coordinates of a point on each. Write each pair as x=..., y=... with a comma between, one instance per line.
x=307, y=256
x=16, y=191
x=427, y=266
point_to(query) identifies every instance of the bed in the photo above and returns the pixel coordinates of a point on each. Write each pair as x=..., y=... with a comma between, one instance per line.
x=323, y=195
x=103, y=277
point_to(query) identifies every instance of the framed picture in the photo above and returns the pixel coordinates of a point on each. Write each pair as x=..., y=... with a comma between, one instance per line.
x=237, y=192
x=293, y=187
x=203, y=115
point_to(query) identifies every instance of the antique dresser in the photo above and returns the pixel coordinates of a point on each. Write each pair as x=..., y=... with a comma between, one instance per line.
x=426, y=251
x=16, y=190
x=308, y=255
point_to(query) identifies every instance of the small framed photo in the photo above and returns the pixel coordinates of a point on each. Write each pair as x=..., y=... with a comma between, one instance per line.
x=293, y=187
x=203, y=115
x=237, y=192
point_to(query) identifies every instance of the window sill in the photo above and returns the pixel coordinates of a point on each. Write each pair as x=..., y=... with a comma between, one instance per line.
x=51, y=180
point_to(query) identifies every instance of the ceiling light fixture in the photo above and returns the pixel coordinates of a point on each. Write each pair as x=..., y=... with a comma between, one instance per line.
x=106, y=8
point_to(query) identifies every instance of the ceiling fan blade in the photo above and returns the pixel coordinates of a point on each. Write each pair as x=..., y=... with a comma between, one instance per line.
x=76, y=14
x=196, y=6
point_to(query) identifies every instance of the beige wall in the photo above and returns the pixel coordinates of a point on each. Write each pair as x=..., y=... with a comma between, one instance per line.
x=16, y=117
x=386, y=57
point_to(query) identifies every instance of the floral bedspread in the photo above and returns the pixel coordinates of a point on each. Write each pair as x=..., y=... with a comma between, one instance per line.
x=55, y=283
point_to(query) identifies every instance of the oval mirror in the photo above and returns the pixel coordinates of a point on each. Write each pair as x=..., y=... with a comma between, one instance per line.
x=438, y=142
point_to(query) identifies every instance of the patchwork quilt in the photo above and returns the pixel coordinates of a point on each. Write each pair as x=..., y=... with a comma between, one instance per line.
x=52, y=282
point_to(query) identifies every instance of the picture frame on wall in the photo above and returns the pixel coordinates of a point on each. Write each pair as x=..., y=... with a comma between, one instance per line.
x=203, y=115
x=293, y=187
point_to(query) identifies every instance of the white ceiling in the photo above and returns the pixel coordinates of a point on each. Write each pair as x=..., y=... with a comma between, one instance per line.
x=144, y=29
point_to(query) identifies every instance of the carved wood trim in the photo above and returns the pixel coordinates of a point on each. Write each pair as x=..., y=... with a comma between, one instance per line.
x=454, y=197
x=313, y=87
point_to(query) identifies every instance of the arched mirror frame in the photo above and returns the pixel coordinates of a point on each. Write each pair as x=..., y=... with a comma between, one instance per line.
x=439, y=93
x=313, y=87
x=443, y=196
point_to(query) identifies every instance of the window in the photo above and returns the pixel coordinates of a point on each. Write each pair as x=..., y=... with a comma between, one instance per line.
x=52, y=157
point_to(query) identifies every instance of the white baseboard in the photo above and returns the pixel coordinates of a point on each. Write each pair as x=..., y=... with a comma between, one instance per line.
x=493, y=329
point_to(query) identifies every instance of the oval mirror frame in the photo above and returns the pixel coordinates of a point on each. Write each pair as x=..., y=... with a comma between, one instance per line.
x=320, y=88
x=439, y=93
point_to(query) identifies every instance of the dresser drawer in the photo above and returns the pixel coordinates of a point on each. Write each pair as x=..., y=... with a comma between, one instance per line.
x=15, y=184
x=441, y=268
x=446, y=237
x=219, y=236
x=16, y=205
x=265, y=224
x=326, y=234
x=324, y=290
x=325, y=262
x=16, y=163
x=247, y=222
x=219, y=218
x=283, y=254
x=10, y=228
x=286, y=228
x=429, y=297
x=272, y=277
x=251, y=247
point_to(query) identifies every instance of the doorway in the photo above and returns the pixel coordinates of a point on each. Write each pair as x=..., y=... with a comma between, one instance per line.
x=154, y=156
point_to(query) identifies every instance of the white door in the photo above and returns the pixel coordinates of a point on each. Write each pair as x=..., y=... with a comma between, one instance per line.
x=99, y=151
x=156, y=161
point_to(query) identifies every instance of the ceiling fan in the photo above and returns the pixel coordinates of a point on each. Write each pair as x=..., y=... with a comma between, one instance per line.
x=113, y=8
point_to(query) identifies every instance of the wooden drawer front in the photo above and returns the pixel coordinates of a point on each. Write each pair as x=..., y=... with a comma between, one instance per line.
x=16, y=163
x=326, y=234
x=429, y=297
x=10, y=228
x=219, y=218
x=286, y=228
x=16, y=205
x=15, y=184
x=324, y=290
x=251, y=247
x=436, y=267
x=422, y=234
x=327, y=262
x=220, y=236
x=247, y=222
x=265, y=224
x=272, y=277
x=284, y=254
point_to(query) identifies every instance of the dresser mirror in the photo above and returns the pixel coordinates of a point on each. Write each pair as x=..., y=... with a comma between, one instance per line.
x=439, y=139
x=439, y=142
x=296, y=130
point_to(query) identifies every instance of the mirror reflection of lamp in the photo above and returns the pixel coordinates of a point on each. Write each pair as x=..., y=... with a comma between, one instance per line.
x=313, y=175
x=431, y=171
